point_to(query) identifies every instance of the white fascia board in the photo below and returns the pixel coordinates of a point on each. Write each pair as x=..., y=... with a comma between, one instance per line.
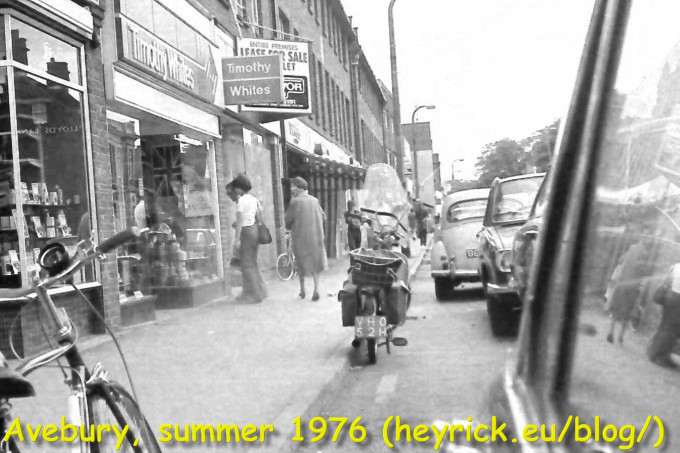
x=67, y=13
x=149, y=99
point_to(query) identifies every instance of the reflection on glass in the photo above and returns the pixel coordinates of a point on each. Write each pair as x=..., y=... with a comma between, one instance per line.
x=3, y=44
x=52, y=163
x=626, y=362
x=10, y=267
x=466, y=210
x=45, y=53
x=178, y=205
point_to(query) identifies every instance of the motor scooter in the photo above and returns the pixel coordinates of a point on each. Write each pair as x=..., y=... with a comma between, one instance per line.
x=377, y=293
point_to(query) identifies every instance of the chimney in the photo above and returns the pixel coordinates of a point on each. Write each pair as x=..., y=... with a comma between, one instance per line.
x=58, y=69
x=349, y=18
x=19, y=49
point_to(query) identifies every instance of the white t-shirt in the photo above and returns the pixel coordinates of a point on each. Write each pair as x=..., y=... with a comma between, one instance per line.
x=247, y=206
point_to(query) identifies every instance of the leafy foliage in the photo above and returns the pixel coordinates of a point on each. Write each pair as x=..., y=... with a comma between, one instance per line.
x=508, y=157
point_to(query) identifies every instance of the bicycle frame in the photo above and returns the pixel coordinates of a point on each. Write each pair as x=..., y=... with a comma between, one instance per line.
x=82, y=382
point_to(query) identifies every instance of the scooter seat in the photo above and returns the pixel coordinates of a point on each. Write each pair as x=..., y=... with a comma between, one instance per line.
x=14, y=385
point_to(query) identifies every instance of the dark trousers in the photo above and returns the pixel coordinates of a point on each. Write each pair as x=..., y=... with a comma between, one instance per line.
x=422, y=235
x=354, y=238
x=253, y=283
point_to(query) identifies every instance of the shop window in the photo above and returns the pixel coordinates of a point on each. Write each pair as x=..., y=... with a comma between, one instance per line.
x=141, y=11
x=44, y=52
x=187, y=40
x=173, y=179
x=3, y=43
x=165, y=25
x=47, y=200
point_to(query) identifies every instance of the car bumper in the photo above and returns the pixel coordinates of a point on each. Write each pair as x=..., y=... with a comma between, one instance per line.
x=509, y=288
x=455, y=274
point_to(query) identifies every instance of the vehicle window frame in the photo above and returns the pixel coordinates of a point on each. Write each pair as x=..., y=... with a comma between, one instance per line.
x=548, y=327
x=461, y=201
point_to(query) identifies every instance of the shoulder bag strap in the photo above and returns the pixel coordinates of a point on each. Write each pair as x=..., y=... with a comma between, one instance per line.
x=258, y=214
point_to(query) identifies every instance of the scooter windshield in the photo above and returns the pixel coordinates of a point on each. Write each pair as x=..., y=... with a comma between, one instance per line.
x=383, y=191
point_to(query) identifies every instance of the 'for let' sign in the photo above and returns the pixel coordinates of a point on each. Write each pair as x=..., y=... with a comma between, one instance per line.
x=252, y=79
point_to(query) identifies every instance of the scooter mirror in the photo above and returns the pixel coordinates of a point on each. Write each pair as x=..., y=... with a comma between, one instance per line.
x=399, y=341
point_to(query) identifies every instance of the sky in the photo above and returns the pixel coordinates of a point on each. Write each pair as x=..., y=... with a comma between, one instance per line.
x=494, y=69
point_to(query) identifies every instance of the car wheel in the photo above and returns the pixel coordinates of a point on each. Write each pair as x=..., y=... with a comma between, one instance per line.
x=504, y=321
x=443, y=288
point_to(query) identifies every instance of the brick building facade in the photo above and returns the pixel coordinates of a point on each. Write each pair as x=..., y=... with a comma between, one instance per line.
x=129, y=95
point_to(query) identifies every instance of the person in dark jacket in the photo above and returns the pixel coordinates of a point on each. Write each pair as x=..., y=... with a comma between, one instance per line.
x=668, y=332
x=353, y=221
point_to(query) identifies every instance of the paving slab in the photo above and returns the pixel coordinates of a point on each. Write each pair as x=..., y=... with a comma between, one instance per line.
x=222, y=363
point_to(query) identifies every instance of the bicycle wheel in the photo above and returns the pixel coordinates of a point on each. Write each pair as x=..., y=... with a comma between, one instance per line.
x=285, y=266
x=109, y=403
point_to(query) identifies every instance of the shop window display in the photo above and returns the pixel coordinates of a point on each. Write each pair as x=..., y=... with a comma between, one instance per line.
x=43, y=177
x=165, y=183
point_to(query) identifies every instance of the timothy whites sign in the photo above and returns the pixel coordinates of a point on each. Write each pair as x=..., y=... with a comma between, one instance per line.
x=252, y=79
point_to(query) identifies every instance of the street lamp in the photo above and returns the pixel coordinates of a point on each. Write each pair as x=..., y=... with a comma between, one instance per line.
x=453, y=170
x=414, y=164
x=396, y=114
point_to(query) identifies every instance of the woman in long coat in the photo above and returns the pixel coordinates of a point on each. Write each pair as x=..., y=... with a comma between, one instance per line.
x=304, y=217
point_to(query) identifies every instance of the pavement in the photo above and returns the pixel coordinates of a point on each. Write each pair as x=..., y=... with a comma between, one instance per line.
x=224, y=362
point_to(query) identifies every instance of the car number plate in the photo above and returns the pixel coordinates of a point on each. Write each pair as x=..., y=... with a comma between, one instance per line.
x=370, y=327
x=472, y=253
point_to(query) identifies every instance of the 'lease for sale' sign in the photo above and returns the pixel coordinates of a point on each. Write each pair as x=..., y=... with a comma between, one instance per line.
x=295, y=63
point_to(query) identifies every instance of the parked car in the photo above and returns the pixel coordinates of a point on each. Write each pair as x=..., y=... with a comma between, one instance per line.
x=455, y=251
x=621, y=131
x=523, y=244
x=508, y=206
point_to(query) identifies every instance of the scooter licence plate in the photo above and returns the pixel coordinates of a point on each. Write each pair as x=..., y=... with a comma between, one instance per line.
x=370, y=327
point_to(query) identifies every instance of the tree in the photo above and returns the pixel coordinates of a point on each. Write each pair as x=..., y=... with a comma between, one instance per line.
x=501, y=159
x=541, y=146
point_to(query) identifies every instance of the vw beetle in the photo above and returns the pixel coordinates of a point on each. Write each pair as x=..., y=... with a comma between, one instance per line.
x=455, y=252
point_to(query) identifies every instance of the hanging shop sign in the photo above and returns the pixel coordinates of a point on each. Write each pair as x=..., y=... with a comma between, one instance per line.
x=252, y=79
x=146, y=51
x=295, y=62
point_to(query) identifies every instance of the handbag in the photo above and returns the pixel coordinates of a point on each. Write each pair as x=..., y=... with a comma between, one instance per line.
x=263, y=235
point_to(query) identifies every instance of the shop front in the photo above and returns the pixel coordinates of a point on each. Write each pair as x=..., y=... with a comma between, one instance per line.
x=164, y=149
x=45, y=160
x=333, y=178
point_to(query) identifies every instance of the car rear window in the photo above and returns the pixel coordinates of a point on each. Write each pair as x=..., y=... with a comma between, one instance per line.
x=514, y=199
x=467, y=209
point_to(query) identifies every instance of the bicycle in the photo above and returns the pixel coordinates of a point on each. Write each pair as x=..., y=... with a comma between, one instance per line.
x=94, y=400
x=286, y=266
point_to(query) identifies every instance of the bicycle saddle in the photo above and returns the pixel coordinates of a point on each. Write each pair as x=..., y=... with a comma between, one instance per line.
x=14, y=385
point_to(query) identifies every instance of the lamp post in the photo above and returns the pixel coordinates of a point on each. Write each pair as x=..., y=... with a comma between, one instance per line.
x=453, y=171
x=414, y=164
x=396, y=114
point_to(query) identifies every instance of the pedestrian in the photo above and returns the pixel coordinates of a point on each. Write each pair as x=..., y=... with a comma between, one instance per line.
x=246, y=244
x=304, y=218
x=627, y=289
x=421, y=222
x=668, y=332
x=353, y=221
x=412, y=223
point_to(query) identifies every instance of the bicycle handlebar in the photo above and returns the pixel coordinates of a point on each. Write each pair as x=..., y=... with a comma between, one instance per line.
x=386, y=214
x=119, y=239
